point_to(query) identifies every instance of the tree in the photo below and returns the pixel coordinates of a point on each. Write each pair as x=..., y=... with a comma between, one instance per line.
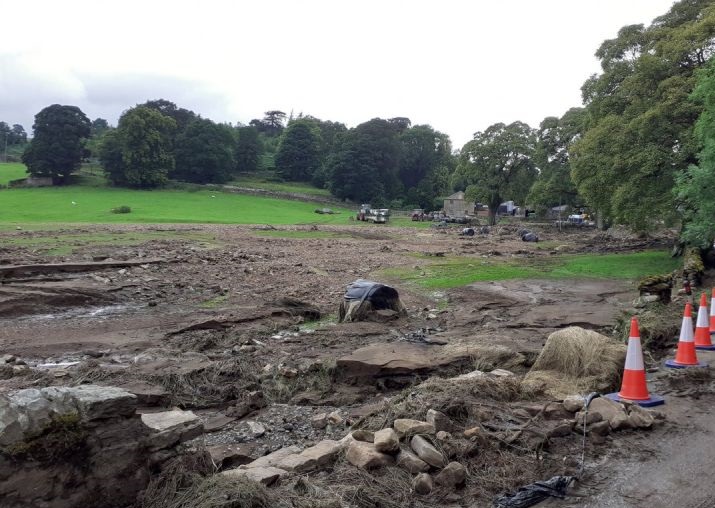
x=639, y=133
x=181, y=116
x=271, y=124
x=204, y=153
x=694, y=189
x=99, y=126
x=298, y=155
x=553, y=185
x=426, y=154
x=138, y=152
x=366, y=164
x=57, y=147
x=248, y=149
x=498, y=164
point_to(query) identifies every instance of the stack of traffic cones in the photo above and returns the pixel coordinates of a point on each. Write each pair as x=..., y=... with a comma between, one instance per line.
x=685, y=356
x=634, y=387
x=702, y=327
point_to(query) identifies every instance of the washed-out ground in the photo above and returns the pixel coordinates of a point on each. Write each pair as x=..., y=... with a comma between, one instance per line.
x=205, y=317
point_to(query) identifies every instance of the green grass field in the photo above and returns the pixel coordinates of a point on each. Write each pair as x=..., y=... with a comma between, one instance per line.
x=266, y=180
x=460, y=271
x=11, y=171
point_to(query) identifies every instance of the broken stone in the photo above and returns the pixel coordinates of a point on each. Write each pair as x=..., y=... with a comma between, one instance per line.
x=422, y=484
x=238, y=411
x=319, y=421
x=256, y=399
x=366, y=456
x=411, y=462
x=266, y=475
x=408, y=427
x=640, y=418
x=473, y=432
x=256, y=428
x=590, y=417
x=601, y=428
x=314, y=457
x=386, y=441
x=573, y=404
x=148, y=394
x=364, y=435
x=443, y=436
x=611, y=411
x=217, y=422
x=439, y=420
x=171, y=427
x=334, y=418
x=453, y=475
x=231, y=455
x=426, y=451
x=273, y=459
x=562, y=429
x=7, y=359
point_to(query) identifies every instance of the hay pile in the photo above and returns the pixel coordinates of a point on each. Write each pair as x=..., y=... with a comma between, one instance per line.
x=575, y=360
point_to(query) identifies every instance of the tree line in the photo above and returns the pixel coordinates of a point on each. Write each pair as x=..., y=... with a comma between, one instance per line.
x=639, y=151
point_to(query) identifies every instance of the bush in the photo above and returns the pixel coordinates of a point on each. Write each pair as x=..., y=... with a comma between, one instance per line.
x=122, y=209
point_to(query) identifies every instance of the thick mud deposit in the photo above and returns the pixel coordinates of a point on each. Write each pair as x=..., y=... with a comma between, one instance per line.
x=240, y=329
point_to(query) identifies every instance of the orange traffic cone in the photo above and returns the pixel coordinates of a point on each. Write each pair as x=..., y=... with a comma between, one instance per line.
x=685, y=356
x=702, y=327
x=712, y=314
x=634, y=387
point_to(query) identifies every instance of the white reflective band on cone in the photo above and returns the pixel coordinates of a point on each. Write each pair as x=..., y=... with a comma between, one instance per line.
x=634, y=355
x=703, y=321
x=686, y=330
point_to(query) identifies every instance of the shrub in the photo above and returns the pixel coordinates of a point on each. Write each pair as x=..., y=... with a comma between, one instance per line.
x=122, y=209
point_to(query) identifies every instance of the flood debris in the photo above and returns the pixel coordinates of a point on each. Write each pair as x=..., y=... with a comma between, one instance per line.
x=365, y=300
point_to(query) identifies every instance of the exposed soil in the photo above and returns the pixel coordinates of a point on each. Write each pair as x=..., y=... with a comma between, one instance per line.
x=210, y=322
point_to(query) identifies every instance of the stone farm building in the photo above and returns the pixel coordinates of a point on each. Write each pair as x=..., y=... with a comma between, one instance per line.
x=456, y=206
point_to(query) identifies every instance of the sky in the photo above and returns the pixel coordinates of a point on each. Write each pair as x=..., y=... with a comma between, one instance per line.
x=457, y=65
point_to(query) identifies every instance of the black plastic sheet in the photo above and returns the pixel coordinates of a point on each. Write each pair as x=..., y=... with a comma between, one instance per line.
x=534, y=493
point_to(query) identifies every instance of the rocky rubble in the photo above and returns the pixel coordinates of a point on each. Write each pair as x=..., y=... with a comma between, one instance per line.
x=62, y=447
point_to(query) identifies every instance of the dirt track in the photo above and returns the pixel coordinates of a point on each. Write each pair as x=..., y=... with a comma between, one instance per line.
x=232, y=291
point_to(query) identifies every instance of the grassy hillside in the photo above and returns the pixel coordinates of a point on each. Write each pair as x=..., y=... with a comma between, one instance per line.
x=266, y=180
x=11, y=171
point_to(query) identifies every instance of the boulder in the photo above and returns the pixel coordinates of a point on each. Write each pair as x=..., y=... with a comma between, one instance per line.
x=267, y=475
x=272, y=459
x=334, y=418
x=601, y=428
x=439, y=420
x=366, y=456
x=148, y=394
x=573, y=403
x=422, y=484
x=312, y=458
x=411, y=462
x=231, y=455
x=427, y=452
x=171, y=427
x=386, y=441
x=256, y=428
x=640, y=418
x=319, y=421
x=562, y=429
x=408, y=427
x=589, y=416
x=453, y=475
x=611, y=411
x=363, y=435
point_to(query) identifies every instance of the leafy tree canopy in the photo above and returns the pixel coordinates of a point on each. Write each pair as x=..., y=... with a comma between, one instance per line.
x=298, y=156
x=248, y=149
x=204, y=153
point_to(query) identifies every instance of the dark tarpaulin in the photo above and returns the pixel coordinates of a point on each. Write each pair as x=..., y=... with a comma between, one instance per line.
x=534, y=493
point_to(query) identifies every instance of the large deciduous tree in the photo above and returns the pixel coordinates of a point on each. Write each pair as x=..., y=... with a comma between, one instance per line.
x=57, y=146
x=138, y=152
x=248, y=149
x=426, y=156
x=298, y=155
x=204, y=153
x=498, y=164
x=640, y=121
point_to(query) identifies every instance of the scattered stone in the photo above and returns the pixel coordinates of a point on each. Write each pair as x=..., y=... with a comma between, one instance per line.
x=8, y=359
x=364, y=435
x=443, y=436
x=230, y=455
x=172, y=427
x=256, y=428
x=563, y=429
x=386, y=441
x=320, y=421
x=601, y=428
x=411, y=462
x=366, y=456
x=256, y=400
x=265, y=475
x=217, y=422
x=273, y=459
x=573, y=404
x=238, y=411
x=473, y=432
x=453, y=475
x=148, y=394
x=439, y=420
x=426, y=451
x=422, y=484
x=590, y=417
x=611, y=411
x=407, y=427
x=288, y=372
x=312, y=458
x=640, y=418
x=500, y=373
x=334, y=418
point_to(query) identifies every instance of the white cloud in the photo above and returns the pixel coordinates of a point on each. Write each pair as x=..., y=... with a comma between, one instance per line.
x=457, y=65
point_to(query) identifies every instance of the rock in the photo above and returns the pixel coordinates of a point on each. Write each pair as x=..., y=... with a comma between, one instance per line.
x=238, y=411
x=470, y=375
x=288, y=372
x=562, y=429
x=231, y=455
x=426, y=451
x=273, y=459
x=148, y=394
x=573, y=404
x=501, y=373
x=601, y=428
x=7, y=359
x=314, y=457
x=408, y=427
x=366, y=456
x=453, y=475
x=171, y=427
x=265, y=475
x=217, y=422
x=334, y=418
x=439, y=420
x=319, y=421
x=640, y=418
x=386, y=441
x=96, y=402
x=473, y=432
x=443, y=436
x=422, y=484
x=590, y=417
x=364, y=435
x=256, y=428
x=256, y=399
x=411, y=462
x=611, y=411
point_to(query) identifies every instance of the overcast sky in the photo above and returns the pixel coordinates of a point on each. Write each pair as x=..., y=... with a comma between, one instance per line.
x=458, y=65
